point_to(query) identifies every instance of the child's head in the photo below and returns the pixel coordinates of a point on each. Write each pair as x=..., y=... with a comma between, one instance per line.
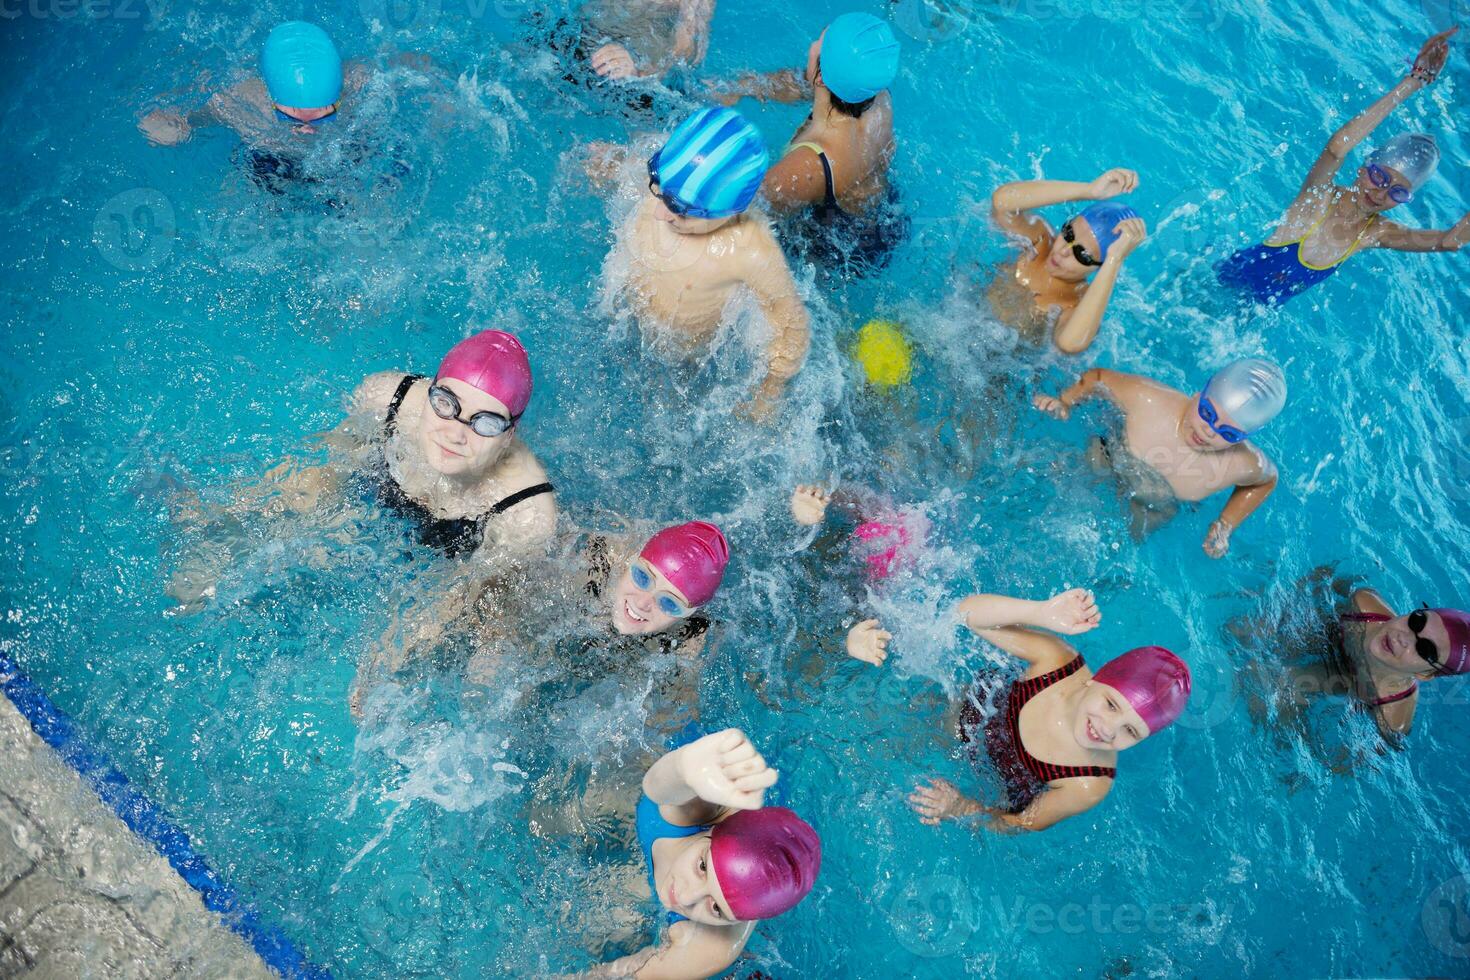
x=755, y=864
x=1240, y=399
x=676, y=572
x=1130, y=698
x=708, y=172
x=1082, y=243
x=1398, y=168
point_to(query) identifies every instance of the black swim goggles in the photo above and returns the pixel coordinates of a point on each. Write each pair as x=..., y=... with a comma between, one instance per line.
x=1427, y=649
x=488, y=424
x=678, y=207
x=1079, y=252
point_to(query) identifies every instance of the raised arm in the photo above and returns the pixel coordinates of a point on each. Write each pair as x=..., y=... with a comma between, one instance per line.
x=1251, y=491
x=1011, y=204
x=1077, y=328
x=1426, y=69
x=695, y=783
x=1093, y=381
x=1015, y=625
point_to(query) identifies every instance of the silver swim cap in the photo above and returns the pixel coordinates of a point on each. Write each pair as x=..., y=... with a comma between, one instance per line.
x=1413, y=155
x=1251, y=391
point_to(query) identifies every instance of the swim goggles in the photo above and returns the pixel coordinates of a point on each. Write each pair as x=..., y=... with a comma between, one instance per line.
x=1427, y=649
x=284, y=117
x=643, y=581
x=1397, y=193
x=1211, y=417
x=487, y=424
x=678, y=207
x=1079, y=252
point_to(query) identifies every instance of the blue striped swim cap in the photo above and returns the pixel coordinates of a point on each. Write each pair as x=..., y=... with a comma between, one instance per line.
x=712, y=163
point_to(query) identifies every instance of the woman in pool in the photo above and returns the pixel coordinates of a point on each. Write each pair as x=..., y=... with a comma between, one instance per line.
x=1057, y=737
x=1048, y=282
x=1328, y=222
x=442, y=453
x=1379, y=658
x=717, y=861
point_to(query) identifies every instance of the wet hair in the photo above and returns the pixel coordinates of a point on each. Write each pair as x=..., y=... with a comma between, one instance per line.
x=853, y=109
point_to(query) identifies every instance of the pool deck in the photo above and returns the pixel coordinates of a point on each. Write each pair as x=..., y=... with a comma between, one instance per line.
x=81, y=895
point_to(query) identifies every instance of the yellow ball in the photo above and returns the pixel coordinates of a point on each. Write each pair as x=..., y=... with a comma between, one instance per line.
x=885, y=353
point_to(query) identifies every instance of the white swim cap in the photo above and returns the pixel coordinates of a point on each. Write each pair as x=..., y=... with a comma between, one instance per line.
x=1414, y=155
x=1251, y=391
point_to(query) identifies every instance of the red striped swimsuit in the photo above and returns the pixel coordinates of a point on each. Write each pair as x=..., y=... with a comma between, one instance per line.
x=1025, y=775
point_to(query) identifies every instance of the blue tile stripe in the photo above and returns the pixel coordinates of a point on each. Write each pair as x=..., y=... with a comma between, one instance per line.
x=151, y=824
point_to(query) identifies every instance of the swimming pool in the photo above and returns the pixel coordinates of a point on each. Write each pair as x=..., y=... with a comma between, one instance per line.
x=168, y=325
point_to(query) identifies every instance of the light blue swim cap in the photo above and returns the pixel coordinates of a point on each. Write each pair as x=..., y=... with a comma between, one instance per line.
x=859, y=57
x=1414, y=155
x=712, y=163
x=1103, y=218
x=1251, y=391
x=301, y=67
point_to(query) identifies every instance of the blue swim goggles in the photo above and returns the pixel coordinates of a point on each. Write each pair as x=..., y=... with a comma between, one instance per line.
x=678, y=207
x=1397, y=193
x=302, y=122
x=643, y=581
x=1211, y=418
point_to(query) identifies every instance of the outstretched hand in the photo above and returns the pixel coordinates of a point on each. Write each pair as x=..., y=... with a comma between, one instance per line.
x=1429, y=62
x=809, y=504
x=868, y=642
x=726, y=770
x=940, y=801
x=1052, y=405
x=1071, y=612
x=614, y=61
x=1112, y=183
x=1217, y=540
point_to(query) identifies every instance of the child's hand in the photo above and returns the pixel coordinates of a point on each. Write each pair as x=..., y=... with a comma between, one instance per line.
x=1112, y=183
x=613, y=61
x=1069, y=613
x=940, y=801
x=603, y=161
x=1130, y=231
x=164, y=128
x=1217, y=540
x=868, y=642
x=726, y=770
x=809, y=504
x=1052, y=406
x=1431, y=58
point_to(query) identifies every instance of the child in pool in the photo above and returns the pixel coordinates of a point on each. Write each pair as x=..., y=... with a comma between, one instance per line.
x=1177, y=447
x=692, y=245
x=302, y=85
x=1327, y=223
x=1057, y=737
x=717, y=861
x=1050, y=278
x=645, y=38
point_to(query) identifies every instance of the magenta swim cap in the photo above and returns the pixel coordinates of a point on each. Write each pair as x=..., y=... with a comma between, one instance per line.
x=692, y=556
x=494, y=362
x=765, y=860
x=1153, y=680
x=1457, y=624
x=881, y=561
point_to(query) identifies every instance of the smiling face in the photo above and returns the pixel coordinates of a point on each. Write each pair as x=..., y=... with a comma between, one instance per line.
x=1394, y=644
x=1061, y=260
x=639, y=611
x=1376, y=199
x=688, y=885
x=454, y=449
x=1105, y=720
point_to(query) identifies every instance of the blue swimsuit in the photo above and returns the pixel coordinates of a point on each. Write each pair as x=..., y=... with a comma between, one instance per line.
x=652, y=826
x=1273, y=274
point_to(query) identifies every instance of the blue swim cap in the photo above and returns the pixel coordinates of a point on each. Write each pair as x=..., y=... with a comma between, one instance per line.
x=1103, y=218
x=859, y=57
x=712, y=164
x=301, y=66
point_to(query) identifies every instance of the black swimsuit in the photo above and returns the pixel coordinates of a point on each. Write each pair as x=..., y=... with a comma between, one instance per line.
x=454, y=536
x=863, y=242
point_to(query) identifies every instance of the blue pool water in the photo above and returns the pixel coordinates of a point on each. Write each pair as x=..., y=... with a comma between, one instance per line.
x=169, y=326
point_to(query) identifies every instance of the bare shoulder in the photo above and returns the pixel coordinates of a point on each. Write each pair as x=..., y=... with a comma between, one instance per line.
x=373, y=393
x=706, y=950
x=1368, y=600
x=1251, y=465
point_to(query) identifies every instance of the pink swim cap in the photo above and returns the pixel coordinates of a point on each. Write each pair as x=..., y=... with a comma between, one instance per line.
x=1457, y=624
x=880, y=562
x=495, y=362
x=692, y=556
x=766, y=861
x=1151, y=679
